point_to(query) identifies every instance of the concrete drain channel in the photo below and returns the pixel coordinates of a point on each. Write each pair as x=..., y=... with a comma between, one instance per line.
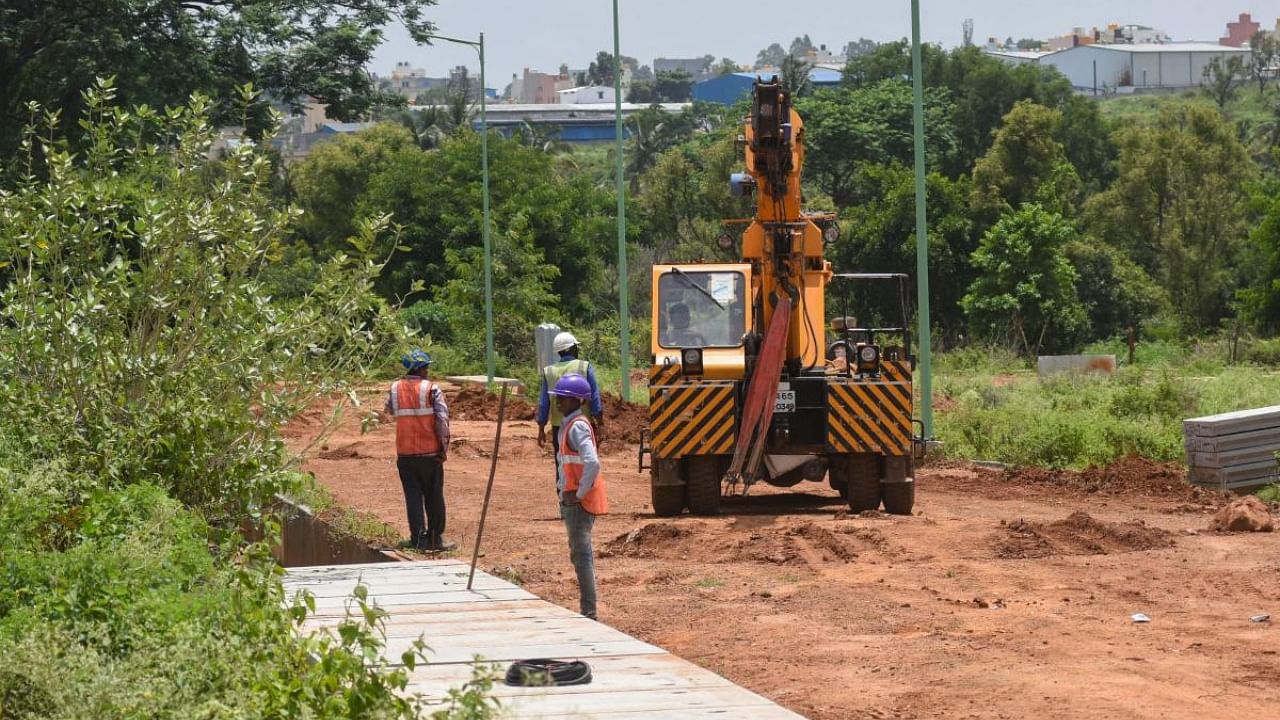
x=308, y=541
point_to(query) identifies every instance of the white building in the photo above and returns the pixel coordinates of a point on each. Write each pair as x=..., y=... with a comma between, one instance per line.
x=586, y=95
x=1129, y=68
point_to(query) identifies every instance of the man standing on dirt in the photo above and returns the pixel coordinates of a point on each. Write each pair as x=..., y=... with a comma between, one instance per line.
x=422, y=447
x=579, y=483
x=566, y=345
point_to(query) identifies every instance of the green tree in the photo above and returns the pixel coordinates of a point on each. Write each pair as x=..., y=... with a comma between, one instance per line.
x=1264, y=51
x=643, y=92
x=329, y=184
x=161, y=51
x=879, y=235
x=137, y=340
x=1115, y=291
x=1222, y=79
x=795, y=76
x=435, y=198
x=1026, y=286
x=858, y=48
x=800, y=47
x=848, y=128
x=1176, y=207
x=674, y=87
x=726, y=66
x=522, y=294
x=685, y=198
x=1025, y=163
x=771, y=56
x=600, y=72
x=1260, y=301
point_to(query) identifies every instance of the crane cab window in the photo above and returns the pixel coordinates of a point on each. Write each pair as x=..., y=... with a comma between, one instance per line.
x=701, y=309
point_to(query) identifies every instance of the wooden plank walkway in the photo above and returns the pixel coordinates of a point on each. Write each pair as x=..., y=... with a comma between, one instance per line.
x=502, y=623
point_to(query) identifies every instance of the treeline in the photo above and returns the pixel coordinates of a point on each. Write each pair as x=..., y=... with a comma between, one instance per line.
x=1051, y=226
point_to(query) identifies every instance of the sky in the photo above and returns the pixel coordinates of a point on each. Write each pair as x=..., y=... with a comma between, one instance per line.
x=541, y=34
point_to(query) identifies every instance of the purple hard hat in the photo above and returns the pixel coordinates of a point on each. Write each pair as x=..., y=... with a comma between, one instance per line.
x=573, y=386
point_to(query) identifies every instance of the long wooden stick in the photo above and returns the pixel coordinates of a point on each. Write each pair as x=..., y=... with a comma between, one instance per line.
x=488, y=491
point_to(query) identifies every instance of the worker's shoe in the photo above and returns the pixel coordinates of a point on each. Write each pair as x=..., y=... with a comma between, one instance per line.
x=439, y=544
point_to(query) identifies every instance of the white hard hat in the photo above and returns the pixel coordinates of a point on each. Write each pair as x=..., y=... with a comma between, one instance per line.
x=563, y=341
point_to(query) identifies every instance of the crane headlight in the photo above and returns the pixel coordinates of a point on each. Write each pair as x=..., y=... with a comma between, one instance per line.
x=869, y=359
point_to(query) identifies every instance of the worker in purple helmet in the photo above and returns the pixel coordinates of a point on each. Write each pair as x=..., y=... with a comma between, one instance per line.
x=579, y=483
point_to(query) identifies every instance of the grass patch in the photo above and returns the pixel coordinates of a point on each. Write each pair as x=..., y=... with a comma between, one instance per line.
x=987, y=413
x=708, y=583
x=342, y=520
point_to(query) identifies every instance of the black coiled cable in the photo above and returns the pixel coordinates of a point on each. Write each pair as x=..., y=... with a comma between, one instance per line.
x=547, y=673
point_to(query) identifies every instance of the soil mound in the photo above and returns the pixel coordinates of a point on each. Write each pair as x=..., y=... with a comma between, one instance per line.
x=803, y=544
x=650, y=540
x=1130, y=475
x=1247, y=514
x=350, y=451
x=1078, y=534
x=623, y=423
x=475, y=402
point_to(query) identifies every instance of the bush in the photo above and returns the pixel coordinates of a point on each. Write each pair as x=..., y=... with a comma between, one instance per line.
x=144, y=372
x=137, y=338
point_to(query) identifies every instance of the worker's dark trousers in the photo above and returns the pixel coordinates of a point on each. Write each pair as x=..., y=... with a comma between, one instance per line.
x=555, y=452
x=422, y=477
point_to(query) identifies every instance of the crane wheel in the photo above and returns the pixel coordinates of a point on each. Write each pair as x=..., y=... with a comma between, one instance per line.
x=899, y=498
x=703, y=478
x=862, y=480
x=668, y=500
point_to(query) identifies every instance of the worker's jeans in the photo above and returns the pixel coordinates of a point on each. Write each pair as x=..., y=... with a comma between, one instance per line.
x=422, y=477
x=579, y=523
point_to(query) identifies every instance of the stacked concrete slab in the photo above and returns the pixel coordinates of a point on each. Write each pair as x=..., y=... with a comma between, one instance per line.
x=1235, y=450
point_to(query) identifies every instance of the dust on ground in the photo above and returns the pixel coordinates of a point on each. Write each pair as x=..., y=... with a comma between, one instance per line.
x=837, y=615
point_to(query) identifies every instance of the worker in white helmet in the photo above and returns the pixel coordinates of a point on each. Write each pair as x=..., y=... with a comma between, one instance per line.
x=566, y=347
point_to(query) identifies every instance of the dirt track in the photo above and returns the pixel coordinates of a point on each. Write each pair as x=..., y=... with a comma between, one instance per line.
x=995, y=601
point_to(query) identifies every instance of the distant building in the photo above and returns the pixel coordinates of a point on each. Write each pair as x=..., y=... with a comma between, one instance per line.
x=729, y=89
x=821, y=56
x=583, y=123
x=1239, y=32
x=410, y=82
x=586, y=95
x=1099, y=67
x=538, y=88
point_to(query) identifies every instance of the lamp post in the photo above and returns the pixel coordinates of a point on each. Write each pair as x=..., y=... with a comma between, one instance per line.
x=624, y=316
x=490, y=362
x=922, y=230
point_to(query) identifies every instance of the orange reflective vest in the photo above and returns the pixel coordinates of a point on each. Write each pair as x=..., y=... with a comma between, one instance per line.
x=595, y=501
x=415, y=417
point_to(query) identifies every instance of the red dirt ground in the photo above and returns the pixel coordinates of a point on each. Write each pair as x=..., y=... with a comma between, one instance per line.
x=1008, y=595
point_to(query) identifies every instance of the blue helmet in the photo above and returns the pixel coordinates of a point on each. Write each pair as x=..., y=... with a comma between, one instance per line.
x=416, y=360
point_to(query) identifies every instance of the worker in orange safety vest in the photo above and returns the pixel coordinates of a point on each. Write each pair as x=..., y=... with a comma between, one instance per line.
x=579, y=484
x=422, y=447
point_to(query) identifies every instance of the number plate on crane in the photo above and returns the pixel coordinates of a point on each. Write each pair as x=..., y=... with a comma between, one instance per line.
x=785, y=400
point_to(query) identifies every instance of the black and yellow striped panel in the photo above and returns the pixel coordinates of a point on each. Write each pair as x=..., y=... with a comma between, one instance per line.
x=895, y=371
x=869, y=417
x=692, y=419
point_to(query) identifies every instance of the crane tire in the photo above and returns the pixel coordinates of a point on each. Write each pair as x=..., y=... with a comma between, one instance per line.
x=899, y=498
x=862, y=476
x=703, y=479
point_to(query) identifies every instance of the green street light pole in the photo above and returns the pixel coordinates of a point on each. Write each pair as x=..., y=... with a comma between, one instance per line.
x=922, y=230
x=624, y=316
x=490, y=361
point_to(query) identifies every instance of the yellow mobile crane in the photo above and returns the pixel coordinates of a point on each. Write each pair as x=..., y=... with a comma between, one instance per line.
x=745, y=385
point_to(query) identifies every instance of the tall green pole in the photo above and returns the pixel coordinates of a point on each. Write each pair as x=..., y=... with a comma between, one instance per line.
x=922, y=230
x=624, y=315
x=490, y=361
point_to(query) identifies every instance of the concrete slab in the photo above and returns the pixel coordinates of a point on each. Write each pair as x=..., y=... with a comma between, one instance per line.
x=500, y=623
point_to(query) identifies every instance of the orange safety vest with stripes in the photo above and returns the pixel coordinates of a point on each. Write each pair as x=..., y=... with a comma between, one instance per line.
x=595, y=501
x=415, y=417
